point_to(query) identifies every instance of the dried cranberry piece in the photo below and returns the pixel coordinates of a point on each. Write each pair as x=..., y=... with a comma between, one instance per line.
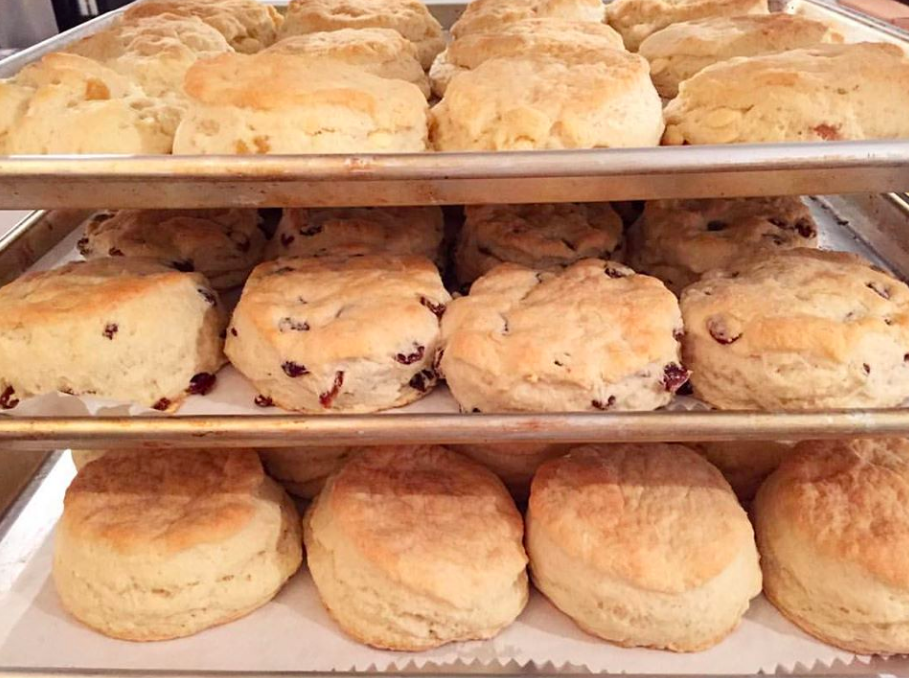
x=411, y=358
x=326, y=399
x=720, y=331
x=867, y=368
x=674, y=375
x=906, y=357
x=600, y=405
x=476, y=410
x=263, y=401
x=879, y=289
x=162, y=404
x=315, y=229
x=287, y=239
x=423, y=380
x=613, y=272
x=208, y=295
x=83, y=247
x=438, y=309
x=827, y=132
x=288, y=324
x=184, y=265
x=201, y=383
x=115, y=252
x=292, y=369
x=233, y=331
x=717, y=225
x=805, y=228
x=110, y=330
x=7, y=399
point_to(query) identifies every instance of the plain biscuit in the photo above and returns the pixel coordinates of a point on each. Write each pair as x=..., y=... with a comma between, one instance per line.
x=414, y=547
x=833, y=532
x=303, y=470
x=744, y=463
x=642, y=545
x=167, y=543
x=826, y=93
x=514, y=463
x=798, y=329
x=482, y=16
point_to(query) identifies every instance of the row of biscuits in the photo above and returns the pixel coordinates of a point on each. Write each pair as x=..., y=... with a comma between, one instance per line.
x=414, y=547
x=764, y=321
x=199, y=77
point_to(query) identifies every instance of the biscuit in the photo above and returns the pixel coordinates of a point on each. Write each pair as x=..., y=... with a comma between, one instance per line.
x=832, y=529
x=414, y=547
x=410, y=18
x=798, y=329
x=744, y=463
x=82, y=458
x=380, y=51
x=167, y=543
x=222, y=244
x=130, y=329
x=537, y=236
x=561, y=39
x=303, y=471
x=155, y=51
x=67, y=104
x=514, y=463
x=679, y=240
x=248, y=25
x=827, y=93
x=681, y=50
x=636, y=19
x=592, y=337
x=282, y=103
x=642, y=545
x=524, y=103
x=336, y=334
x=352, y=231
x=481, y=16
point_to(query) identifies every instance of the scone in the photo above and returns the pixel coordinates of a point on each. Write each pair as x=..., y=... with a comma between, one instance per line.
x=833, y=532
x=562, y=39
x=798, y=329
x=82, y=458
x=537, y=236
x=248, y=25
x=679, y=240
x=481, y=16
x=410, y=18
x=167, y=543
x=303, y=471
x=414, y=547
x=155, y=51
x=128, y=329
x=380, y=51
x=642, y=545
x=592, y=337
x=524, y=103
x=352, y=231
x=338, y=334
x=282, y=103
x=681, y=50
x=514, y=463
x=744, y=463
x=67, y=104
x=636, y=19
x=827, y=93
x=222, y=244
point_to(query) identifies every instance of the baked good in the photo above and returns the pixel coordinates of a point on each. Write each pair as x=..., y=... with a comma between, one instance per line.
x=221, y=244
x=154, y=51
x=338, y=334
x=526, y=103
x=414, y=547
x=514, y=463
x=167, y=543
x=591, y=337
x=744, y=463
x=832, y=530
x=303, y=471
x=380, y=51
x=680, y=50
x=827, y=93
x=129, y=329
x=82, y=458
x=636, y=19
x=481, y=16
x=248, y=25
x=567, y=40
x=642, y=545
x=351, y=231
x=282, y=103
x=410, y=18
x=537, y=236
x=679, y=240
x=798, y=329
x=66, y=103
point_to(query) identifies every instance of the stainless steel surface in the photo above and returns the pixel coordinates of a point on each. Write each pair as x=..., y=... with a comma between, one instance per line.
x=26, y=22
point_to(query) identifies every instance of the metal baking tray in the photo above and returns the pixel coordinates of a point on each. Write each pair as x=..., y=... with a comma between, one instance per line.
x=453, y=178
x=877, y=226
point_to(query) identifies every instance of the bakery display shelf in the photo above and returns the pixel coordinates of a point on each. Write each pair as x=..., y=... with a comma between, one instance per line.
x=454, y=178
